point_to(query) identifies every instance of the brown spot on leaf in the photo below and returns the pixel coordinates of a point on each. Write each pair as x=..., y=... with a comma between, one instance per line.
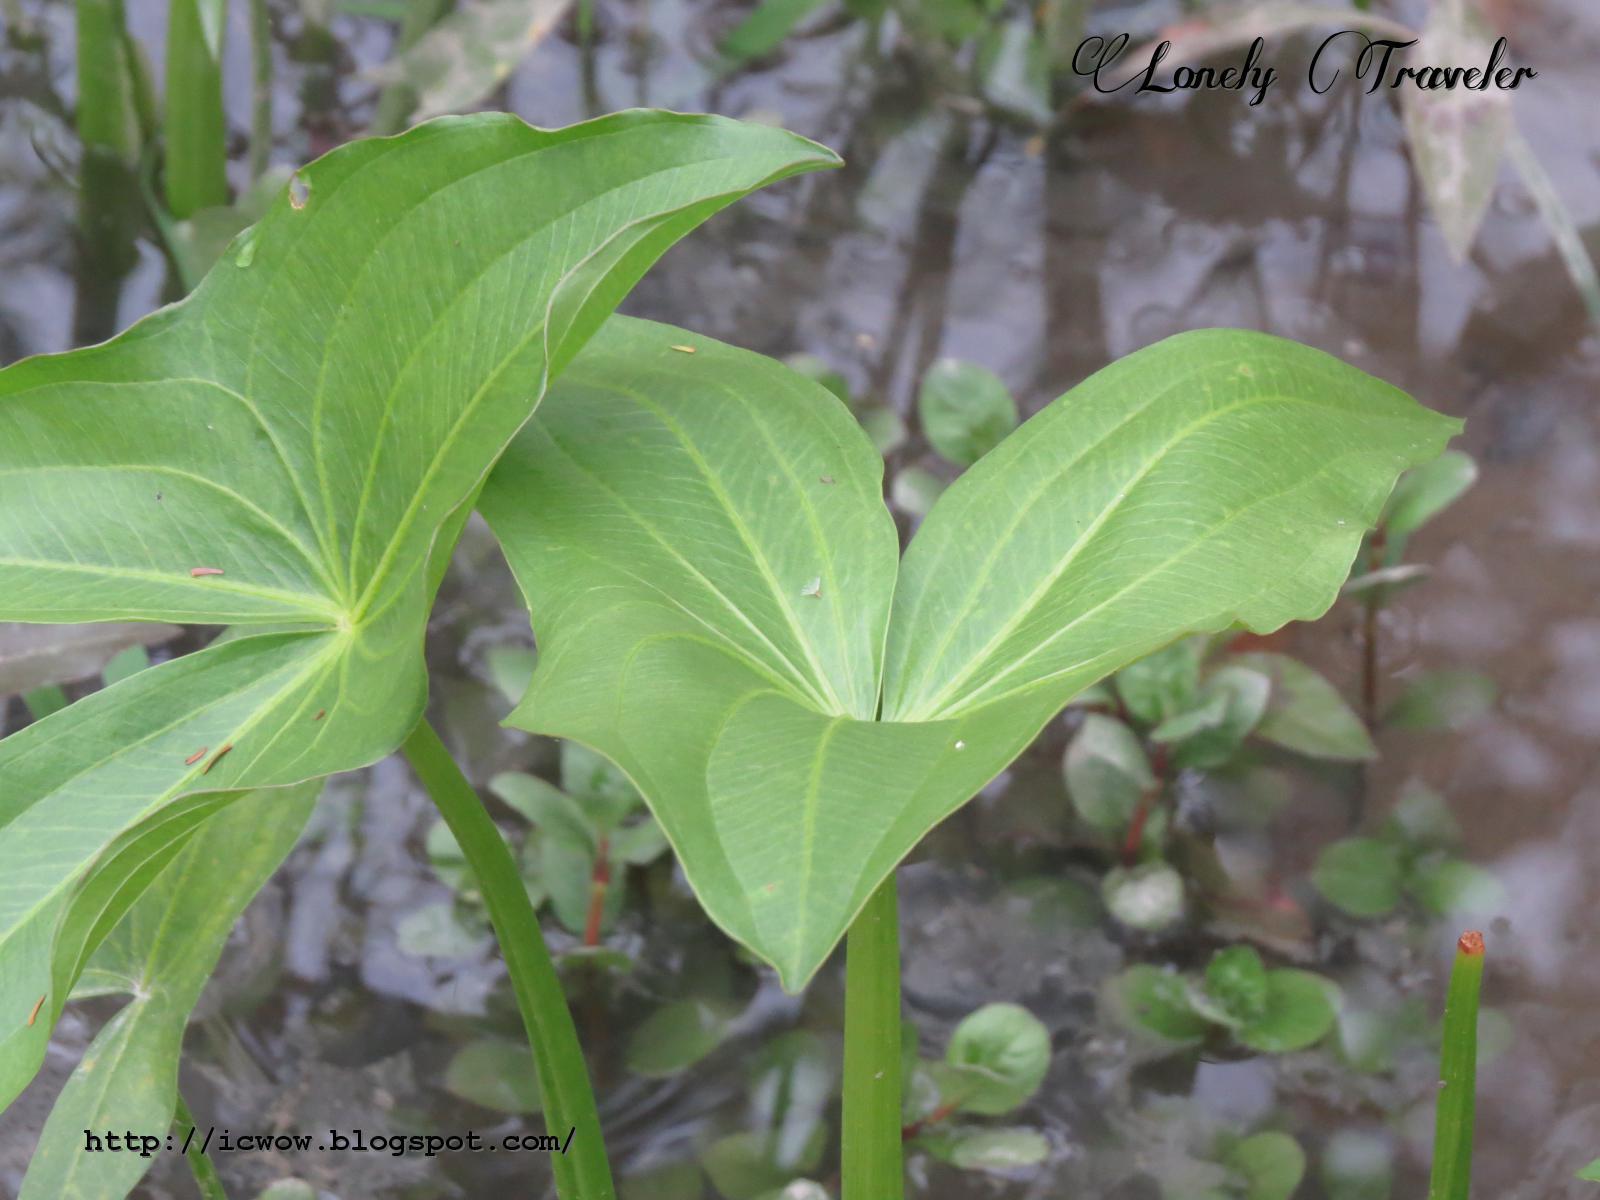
x=216, y=758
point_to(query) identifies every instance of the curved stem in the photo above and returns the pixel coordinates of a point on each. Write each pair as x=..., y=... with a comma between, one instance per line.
x=582, y=1172
x=200, y=1164
x=871, y=1156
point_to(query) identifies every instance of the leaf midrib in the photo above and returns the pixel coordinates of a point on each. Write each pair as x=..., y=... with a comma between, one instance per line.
x=793, y=675
x=751, y=543
x=179, y=787
x=380, y=573
x=968, y=702
x=267, y=518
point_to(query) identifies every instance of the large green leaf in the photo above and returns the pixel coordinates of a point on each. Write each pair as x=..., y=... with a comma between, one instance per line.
x=286, y=449
x=704, y=549
x=160, y=955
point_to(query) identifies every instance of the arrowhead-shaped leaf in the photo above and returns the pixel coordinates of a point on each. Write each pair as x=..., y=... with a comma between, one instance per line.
x=703, y=545
x=286, y=448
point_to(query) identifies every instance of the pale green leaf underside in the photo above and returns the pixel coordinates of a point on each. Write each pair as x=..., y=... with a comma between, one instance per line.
x=711, y=571
x=161, y=956
x=1213, y=478
x=309, y=423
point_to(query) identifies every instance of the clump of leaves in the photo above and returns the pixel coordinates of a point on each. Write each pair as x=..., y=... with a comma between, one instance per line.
x=1412, y=859
x=1237, y=997
x=292, y=451
x=1196, y=706
x=995, y=1060
x=583, y=837
x=1193, y=1157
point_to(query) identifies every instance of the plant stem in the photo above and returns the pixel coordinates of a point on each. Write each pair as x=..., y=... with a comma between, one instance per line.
x=197, y=126
x=583, y=1173
x=108, y=130
x=205, y=1171
x=871, y=1155
x=1458, y=1065
x=260, y=88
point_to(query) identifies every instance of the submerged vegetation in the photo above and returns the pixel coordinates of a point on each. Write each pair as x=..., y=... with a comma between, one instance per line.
x=783, y=630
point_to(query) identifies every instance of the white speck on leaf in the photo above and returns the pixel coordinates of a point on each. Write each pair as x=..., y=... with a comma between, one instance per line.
x=814, y=588
x=299, y=192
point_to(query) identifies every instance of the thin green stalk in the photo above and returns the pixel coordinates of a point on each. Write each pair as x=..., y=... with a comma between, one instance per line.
x=260, y=88
x=871, y=1154
x=1458, y=1066
x=197, y=125
x=108, y=130
x=582, y=1172
x=204, y=1170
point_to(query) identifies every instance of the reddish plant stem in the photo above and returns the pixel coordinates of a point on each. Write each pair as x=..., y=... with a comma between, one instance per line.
x=907, y=1132
x=1132, y=844
x=599, y=883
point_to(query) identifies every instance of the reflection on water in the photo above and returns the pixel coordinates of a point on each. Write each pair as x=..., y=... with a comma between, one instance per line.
x=1040, y=256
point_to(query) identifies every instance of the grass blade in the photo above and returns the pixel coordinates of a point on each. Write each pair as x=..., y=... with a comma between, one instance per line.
x=1458, y=1068
x=1558, y=220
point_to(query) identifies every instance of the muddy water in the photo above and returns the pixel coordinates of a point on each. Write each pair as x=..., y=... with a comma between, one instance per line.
x=1041, y=257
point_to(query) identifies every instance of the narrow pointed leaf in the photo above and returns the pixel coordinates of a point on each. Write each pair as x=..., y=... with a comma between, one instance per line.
x=162, y=952
x=288, y=447
x=702, y=542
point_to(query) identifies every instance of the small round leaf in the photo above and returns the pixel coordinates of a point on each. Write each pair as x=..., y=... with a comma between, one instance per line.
x=1148, y=897
x=674, y=1037
x=1272, y=1164
x=965, y=410
x=1299, y=1013
x=495, y=1073
x=1362, y=876
x=1003, y=1051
